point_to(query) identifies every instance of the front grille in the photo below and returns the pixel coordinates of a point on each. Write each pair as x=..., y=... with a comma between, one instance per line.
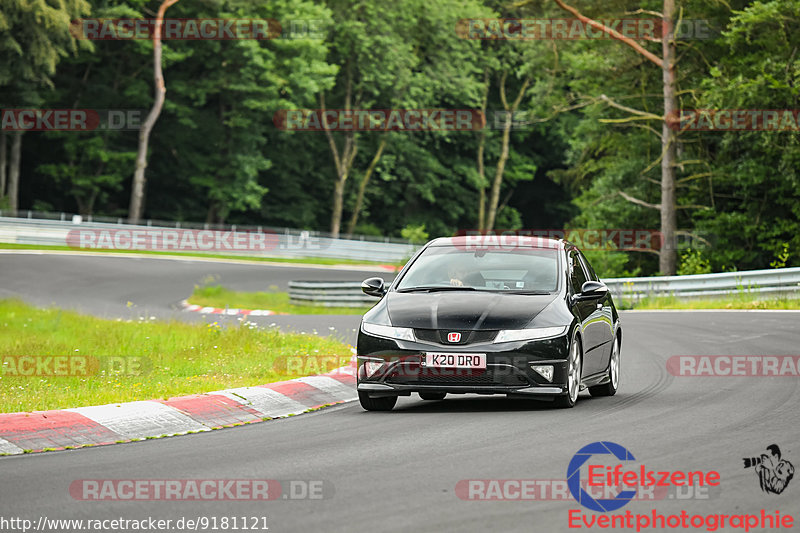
x=439, y=336
x=414, y=374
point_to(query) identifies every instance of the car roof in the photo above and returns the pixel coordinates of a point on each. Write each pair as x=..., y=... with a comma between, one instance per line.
x=500, y=241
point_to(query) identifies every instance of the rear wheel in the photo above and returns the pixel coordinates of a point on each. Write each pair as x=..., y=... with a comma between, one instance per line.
x=569, y=399
x=610, y=388
x=432, y=395
x=385, y=403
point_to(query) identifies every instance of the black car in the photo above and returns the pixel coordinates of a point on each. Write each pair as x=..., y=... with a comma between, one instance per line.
x=525, y=317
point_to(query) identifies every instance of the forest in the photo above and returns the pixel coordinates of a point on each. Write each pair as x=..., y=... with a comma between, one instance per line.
x=677, y=116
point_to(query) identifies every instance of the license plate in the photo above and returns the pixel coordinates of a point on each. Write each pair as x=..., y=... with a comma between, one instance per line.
x=455, y=360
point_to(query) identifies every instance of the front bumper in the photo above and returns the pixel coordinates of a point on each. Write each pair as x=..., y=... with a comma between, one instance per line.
x=508, y=368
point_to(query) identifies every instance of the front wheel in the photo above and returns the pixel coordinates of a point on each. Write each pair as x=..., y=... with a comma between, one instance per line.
x=569, y=399
x=385, y=403
x=610, y=388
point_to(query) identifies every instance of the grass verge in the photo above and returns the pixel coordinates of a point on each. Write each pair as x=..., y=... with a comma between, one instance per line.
x=218, y=296
x=737, y=301
x=129, y=360
x=298, y=260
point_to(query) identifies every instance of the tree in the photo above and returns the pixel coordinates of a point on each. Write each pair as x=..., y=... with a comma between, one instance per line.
x=3, y=165
x=751, y=177
x=137, y=191
x=667, y=207
x=219, y=132
x=33, y=38
x=509, y=110
x=402, y=58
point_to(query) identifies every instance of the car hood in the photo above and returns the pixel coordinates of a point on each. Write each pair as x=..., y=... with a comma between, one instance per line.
x=464, y=310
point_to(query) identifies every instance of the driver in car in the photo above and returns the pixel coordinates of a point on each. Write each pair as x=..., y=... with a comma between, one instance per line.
x=457, y=275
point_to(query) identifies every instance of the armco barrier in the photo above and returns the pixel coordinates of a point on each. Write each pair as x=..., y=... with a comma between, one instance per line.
x=771, y=282
x=784, y=282
x=329, y=294
x=287, y=242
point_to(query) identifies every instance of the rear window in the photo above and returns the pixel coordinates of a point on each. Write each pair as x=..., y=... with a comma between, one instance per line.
x=523, y=270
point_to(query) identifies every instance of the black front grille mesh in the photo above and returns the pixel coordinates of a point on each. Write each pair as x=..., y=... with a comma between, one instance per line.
x=414, y=374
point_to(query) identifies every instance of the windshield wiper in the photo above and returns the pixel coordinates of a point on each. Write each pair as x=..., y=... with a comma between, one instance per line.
x=433, y=288
x=537, y=293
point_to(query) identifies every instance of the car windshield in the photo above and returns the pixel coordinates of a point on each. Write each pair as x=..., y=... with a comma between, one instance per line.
x=521, y=270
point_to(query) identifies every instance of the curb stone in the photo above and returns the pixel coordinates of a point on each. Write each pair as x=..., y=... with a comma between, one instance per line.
x=99, y=425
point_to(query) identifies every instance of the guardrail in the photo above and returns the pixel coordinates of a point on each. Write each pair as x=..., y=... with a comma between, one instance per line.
x=783, y=282
x=31, y=215
x=776, y=281
x=283, y=242
x=329, y=294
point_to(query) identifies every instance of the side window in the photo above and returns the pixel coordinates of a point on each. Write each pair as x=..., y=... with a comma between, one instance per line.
x=588, y=268
x=577, y=276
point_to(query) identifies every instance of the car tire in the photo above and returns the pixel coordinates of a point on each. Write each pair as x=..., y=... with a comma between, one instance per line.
x=385, y=403
x=610, y=388
x=432, y=395
x=574, y=375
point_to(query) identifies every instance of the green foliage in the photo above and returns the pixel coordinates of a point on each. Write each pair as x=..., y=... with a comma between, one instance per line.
x=415, y=234
x=217, y=156
x=610, y=264
x=34, y=36
x=781, y=257
x=692, y=262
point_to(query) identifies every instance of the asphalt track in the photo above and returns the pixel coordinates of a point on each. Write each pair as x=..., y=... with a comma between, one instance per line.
x=398, y=471
x=130, y=287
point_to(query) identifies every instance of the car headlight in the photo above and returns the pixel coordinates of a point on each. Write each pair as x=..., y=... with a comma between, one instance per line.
x=390, y=332
x=509, y=335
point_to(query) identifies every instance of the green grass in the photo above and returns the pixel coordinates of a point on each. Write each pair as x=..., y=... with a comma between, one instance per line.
x=218, y=296
x=299, y=260
x=737, y=301
x=175, y=358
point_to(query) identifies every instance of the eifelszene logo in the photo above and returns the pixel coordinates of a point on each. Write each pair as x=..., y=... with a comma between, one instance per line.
x=774, y=473
x=628, y=479
x=574, y=476
x=607, y=465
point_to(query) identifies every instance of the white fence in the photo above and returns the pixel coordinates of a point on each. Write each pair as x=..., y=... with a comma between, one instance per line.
x=329, y=294
x=772, y=282
x=783, y=282
x=283, y=242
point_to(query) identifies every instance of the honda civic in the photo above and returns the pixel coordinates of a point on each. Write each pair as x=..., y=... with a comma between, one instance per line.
x=519, y=315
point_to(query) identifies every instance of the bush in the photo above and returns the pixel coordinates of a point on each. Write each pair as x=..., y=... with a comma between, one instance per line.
x=693, y=262
x=415, y=234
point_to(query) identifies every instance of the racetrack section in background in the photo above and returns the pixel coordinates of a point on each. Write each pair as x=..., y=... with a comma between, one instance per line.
x=153, y=286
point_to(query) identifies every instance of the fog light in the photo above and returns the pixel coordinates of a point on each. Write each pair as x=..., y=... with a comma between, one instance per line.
x=546, y=371
x=372, y=367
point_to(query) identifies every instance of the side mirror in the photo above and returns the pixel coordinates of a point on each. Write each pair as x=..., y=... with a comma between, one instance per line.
x=591, y=290
x=373, y=287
